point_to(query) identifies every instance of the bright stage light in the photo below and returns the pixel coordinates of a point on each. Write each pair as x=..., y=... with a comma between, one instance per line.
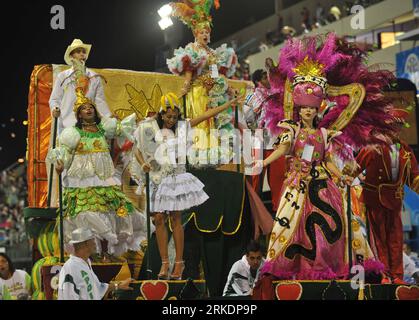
x=165, y=23
x=165, y=11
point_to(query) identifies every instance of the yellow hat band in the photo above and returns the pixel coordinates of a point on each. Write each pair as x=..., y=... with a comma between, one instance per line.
x=81, y=100
x=169, y=100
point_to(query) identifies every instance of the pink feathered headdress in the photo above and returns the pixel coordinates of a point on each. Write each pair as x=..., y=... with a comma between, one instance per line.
x=308, y=94
x=306, y=66
x=323, y=63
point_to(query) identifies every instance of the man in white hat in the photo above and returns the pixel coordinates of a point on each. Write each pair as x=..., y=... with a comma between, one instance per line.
x=63, y=94
x=77, y=281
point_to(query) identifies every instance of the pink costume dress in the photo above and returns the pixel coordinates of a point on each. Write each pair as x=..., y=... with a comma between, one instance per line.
x=308, y=237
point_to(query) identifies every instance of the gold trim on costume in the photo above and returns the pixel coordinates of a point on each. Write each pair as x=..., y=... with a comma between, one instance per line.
x=355, y=225
x=272, y=253
x=356, y=93
x=384, y=163
x=288, y=101
x=193, y=216
x=154, y=282
x=356, y=244
x=309, y=281
x=415, y=184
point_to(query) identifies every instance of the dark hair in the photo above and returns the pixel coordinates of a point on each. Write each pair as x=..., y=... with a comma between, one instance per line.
x=257, y=76
x=160, y=121
x=79, y=122
x=254, y=246
x=79, y=245
x=10, y=263
x=316, y=119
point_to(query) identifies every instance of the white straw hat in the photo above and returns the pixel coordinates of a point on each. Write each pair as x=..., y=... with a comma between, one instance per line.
x=81, y=235
x=77, y=43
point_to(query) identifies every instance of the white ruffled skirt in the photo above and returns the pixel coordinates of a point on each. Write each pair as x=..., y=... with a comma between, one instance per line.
x=177, y=192
x=118, y=231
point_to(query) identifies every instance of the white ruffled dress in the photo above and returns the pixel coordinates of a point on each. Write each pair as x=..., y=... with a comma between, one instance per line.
x=89, y=170
x=171, y=187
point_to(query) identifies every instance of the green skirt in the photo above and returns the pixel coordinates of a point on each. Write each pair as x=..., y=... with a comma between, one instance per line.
x=96, y=199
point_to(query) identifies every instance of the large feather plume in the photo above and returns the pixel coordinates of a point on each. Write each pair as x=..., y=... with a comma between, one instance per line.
x=344, y=63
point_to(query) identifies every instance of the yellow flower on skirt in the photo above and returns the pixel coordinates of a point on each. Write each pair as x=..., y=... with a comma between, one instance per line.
x=122, y=212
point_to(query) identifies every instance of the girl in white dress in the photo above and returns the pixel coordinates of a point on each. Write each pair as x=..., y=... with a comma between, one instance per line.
x=172, y=189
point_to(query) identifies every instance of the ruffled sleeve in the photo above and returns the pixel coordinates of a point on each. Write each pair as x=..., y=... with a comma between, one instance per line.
x=128, y=126
x=115, y=128
x=187, y=59
x=226, y=60
x=289, y=130
x=109, y=125
x=68, y=141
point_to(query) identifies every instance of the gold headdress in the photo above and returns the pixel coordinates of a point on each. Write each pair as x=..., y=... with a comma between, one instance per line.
x=195, y=13
x=306, y=64
x=169, y=100
x=81, y=100
x=310, y=71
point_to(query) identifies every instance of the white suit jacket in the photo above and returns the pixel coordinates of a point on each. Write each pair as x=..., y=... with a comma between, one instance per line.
x=63, y=96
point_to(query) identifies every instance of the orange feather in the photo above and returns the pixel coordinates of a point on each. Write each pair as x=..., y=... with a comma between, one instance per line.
x=182, y=10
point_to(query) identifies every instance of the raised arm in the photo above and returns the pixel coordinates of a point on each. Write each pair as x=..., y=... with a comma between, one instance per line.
x=214, y=111
x=187, y=84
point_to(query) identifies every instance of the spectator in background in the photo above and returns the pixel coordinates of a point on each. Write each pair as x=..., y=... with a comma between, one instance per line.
x=320, y=15
x=411, y=271
x=305, y=23
x=280, y=22
x=15, y=284
x=246, y=72
x=13, y=194
x=288, y=31
x=411, y=254
x=334, y=14
x=263, y=46
x=276, y=36
x=261, y=93
x=245, y=272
